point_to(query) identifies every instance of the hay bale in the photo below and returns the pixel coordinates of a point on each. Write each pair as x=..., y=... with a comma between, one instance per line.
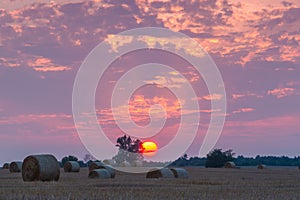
x=179, y=173
x=160, y=173
x=5, y=166
x=100, y=173
x=110, y=169
x=96, y=165
x=109, y=162
x=15, y=167
x=71, y=166
x=261, y=166
x=101, y=165
x=125, y=164
x=229, y=165
x=40, y=168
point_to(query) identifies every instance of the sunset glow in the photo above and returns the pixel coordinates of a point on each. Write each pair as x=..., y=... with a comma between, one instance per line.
x=254, y=44
x=149, y=147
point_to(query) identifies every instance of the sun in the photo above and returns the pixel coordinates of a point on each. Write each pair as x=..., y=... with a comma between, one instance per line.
x=148, y=147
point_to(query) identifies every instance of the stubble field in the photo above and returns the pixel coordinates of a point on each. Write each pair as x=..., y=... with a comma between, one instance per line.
x=244, y=183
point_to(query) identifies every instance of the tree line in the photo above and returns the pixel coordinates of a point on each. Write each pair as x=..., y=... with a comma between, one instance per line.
x=217, y=158
x=130, y=151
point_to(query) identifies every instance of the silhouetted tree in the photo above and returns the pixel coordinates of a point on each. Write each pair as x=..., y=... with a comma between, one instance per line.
x=182, y=161
x=128, y=144
x=68, y=158
x=129, y=150
x=186, y=161
x=217, y=158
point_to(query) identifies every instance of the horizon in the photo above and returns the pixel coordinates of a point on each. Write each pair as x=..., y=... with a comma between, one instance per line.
x=256, y=49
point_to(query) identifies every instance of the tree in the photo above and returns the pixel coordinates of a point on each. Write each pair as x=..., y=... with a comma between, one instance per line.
x=88, y=157
x=68, y=158
x=128, y=144
x=217, y=158
x=182, y=161
x=129, y=150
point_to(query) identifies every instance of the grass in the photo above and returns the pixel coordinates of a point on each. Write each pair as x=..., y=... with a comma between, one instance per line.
x=245, y=183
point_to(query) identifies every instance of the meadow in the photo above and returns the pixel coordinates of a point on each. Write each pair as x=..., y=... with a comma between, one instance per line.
x=203, y=183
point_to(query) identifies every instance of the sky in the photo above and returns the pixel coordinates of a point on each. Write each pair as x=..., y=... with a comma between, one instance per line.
x=255, y=45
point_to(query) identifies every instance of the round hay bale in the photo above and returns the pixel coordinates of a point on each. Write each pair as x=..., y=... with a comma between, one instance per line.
x=109, y=162
x=71, y=166
x=110, y=169
x=125, y=164
x=261, y=166
x=160, y=173
x=180, y=173
x=229, y=165
x=5, y=166
x=99, y=173
x=96, y=165
x=40, y=168
x=101, y=165
x=15, y=167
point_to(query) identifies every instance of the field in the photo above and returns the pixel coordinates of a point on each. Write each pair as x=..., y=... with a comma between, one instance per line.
x=244, y=183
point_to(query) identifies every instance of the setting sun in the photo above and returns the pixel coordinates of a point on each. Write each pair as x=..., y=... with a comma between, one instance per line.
x=148, y=147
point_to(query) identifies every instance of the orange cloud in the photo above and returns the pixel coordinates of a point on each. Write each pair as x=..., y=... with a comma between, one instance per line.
x=139, y=109
x=42, y=64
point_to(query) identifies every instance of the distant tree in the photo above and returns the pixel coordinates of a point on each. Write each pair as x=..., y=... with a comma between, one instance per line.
x=129, y=150
x=182, y=161
x=88, y=157
x=68, y=158
x=82, y=164
x=196, y=161
x=186, y=161
x=217, y=158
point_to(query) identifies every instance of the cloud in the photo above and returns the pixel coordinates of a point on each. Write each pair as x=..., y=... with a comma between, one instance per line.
x=243, y=110
x=212, y=97
x=248, y=94
x=9, y=62
x=282, y=92
x=139, y=109
x=166, y=81
x=41, y=118
x=42, y=64
x=255, y=45
x=185, y=44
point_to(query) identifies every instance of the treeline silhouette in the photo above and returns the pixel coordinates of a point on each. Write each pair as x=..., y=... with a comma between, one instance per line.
x=241, y=161
x=216, y=158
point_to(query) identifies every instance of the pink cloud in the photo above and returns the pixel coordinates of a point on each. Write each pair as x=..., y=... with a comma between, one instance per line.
x=282, y=92
x=243, y=110
x=212, y=97
x=244, y=95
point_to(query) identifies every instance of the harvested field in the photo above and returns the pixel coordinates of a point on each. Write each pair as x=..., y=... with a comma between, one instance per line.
x=244, y=183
